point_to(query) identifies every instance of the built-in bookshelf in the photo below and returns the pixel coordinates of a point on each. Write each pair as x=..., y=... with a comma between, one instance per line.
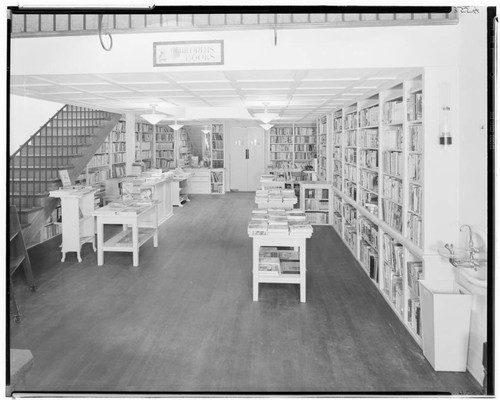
x=144, y=139
x=316, y=202
x=217, y=181
x=281, y=147
x=323, y=148
x=217, y=140
x=378, y=198
x=164, y=147
x=184, y=148
x=305, y=147
x=118, y=145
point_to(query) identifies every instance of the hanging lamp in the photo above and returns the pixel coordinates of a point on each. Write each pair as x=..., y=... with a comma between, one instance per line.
x=153, y=118
x=266, y=117
x=266, y=126
x=176, y=126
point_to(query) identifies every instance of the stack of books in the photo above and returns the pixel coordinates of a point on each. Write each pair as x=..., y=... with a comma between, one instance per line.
x=289, y=261
x=277, y=220
x=269, y=261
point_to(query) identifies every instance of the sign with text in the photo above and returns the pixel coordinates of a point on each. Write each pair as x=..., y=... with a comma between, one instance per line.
x=205, y=52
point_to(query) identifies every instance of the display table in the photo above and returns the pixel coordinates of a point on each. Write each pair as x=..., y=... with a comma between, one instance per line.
x=286, y=237
x=140, y=222
x=77, y=205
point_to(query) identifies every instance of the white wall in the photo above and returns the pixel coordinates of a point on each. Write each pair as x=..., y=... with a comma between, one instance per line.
x=27, y=115
x=472, y=142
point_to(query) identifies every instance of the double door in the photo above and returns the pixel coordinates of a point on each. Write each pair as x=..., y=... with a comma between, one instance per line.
x=247, y=158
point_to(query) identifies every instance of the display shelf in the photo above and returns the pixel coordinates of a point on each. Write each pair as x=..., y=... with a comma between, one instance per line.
x=316, y=202
x=164, y=147
x=183, y=146
x=323, y=148
x=144, y=139
x=281, y=147
x=217, y=181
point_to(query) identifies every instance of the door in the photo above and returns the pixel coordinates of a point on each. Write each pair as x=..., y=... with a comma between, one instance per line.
x=247, y=158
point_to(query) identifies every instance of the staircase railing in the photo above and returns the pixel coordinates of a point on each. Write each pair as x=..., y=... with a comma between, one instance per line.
x=56, y=141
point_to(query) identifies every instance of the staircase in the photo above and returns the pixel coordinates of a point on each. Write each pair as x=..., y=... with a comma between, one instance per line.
x=67, y=141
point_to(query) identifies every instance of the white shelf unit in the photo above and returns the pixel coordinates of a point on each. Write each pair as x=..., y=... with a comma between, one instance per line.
x=164, y=147
x=118, y=146
x=316, y=202
x=382, y=153
x=78, y=226
x=183, y=148
x=292, y=147
x=281, y=147
x=324, y=148
x=144, y=142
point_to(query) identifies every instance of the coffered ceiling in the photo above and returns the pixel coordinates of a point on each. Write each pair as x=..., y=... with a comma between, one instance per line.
x=298, y=96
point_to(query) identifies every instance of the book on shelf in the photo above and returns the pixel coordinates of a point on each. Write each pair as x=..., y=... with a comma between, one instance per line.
x=290, y=267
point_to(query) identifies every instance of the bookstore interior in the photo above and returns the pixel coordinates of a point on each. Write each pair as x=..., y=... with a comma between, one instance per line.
x=217, y=149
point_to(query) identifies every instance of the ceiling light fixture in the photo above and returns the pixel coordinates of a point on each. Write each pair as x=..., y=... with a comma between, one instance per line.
x=176, y=126
x=266, y=117
x=153, y=118
x=266, y=126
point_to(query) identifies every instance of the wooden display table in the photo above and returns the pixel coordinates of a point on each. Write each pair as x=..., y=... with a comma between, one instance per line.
x=141, y=217
x=77, y=205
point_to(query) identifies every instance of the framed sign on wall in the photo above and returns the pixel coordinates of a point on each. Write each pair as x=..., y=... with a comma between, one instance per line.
x=203, y=52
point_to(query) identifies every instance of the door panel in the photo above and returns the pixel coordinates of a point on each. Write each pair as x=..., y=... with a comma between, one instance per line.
x=238, y=162
x=247, y=158
x=256, y=162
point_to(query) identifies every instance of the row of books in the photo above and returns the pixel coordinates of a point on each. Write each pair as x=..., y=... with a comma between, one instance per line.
x=303, y=131
x=415, y=198
x=216, y=176
x=118, y=136
x=118, y=158
x=99, y=160
x=393, y=138
x=414, y=315
x=218, y=144
x=350, y=138
x=351, y=121
x=350, y=214
x=103, y=148
x=164, y=163
x=393, y=112
x=281, y=147
x=392, y=188
x=217, y=128
x=277, y=220
x=118, y=171
x=369, y=116
x=350, y=172
x=393, y=286
x=316, y=205
x=49, y=231
x=119, y=147
x=414, y=273
x=392, y=162
x=415, y=167
x=143, y=127
x=337, y=124
x=393, y=253
x=414, y=106
x=414, y=229
x=321, y=194
x=368, y=159
x=169, y=154
x=337, y=181
x=350, y=189
x=351, y=238
x=368, y=232
x=275, y=261
x=316, y=218
x=350, y=155
x=369, y=200
x=281, y=139
x=165, y=146
x=368, y=179
x=164, y=137
x=337, y=139
x=304, y=156
x=217, y=163
x=337, y=221
x=120, y=126
x=337, y=153
x=337, y=167
x=368, y=138
x=217, y=154
x=369, y=259
x=286, y=131
x=392, y=213
x=415, y=138
x=216, y=187
x=281, y=156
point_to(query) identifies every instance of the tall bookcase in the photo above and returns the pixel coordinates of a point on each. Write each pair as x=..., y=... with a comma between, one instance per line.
x=144, y=142
x=213, y=154
x=183, y=148
x=382, y=189
x=164, y=147
x=292, y=147
x=323, y=148
x=118, y=145
x=281, y=147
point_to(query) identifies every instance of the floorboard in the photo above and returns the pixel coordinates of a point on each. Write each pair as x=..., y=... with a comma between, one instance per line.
x=184, y=320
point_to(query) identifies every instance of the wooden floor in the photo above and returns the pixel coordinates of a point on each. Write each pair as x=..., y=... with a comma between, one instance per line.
x=184, y=320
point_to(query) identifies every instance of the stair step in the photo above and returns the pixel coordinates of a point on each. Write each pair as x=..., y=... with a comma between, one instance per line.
x=16, y=262
x=37, y=167
x=49, y=141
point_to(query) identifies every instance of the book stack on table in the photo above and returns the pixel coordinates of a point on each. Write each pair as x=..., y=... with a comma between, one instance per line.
x=278, y=221
x=275, y=198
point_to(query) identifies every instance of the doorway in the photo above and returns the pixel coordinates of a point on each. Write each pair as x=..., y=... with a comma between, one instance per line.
x=247, y=162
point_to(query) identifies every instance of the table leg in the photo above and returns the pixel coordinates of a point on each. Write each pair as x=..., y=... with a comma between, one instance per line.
x=100, y=242
x=255, y=271
x=135, y=244
x=302, y=252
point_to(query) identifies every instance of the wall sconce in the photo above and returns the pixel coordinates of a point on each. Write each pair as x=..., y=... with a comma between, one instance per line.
x=444, y=116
